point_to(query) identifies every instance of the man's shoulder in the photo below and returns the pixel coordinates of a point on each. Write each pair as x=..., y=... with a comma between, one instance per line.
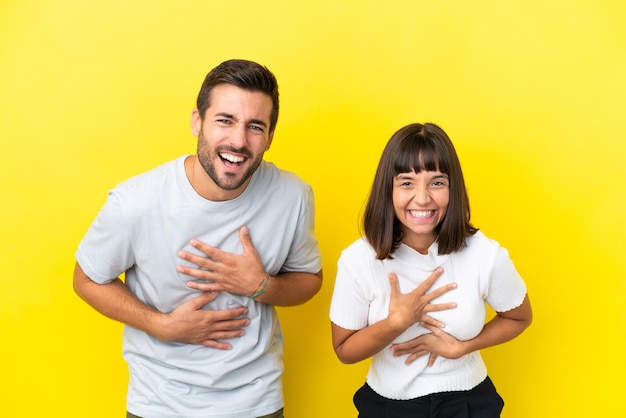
x=147, y=189
x=281, y=177
x=148, y=180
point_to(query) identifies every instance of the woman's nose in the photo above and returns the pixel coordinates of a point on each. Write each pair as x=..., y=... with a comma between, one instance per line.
x=422, y=195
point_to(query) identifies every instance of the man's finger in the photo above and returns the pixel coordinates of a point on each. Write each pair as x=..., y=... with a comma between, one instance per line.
x=211, y=252
x=217, y=344
x=202, y=299
x=246, y=241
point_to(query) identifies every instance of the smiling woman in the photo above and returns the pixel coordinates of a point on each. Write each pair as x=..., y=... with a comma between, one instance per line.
x=420, y=202
x=418, y=235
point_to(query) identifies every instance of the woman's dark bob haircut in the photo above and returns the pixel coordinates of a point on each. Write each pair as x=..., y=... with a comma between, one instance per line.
x=416, y=147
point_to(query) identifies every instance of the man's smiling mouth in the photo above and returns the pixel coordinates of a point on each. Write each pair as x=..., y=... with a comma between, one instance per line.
x=232, y=159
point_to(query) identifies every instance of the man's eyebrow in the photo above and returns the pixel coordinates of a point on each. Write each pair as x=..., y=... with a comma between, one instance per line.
x=231, y=116
x=258, y=122
x=225, y=115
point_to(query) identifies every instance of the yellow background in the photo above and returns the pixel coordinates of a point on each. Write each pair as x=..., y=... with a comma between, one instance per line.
x=531, y=92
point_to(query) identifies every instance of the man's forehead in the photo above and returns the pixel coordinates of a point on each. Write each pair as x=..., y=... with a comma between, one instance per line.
x=240, y=103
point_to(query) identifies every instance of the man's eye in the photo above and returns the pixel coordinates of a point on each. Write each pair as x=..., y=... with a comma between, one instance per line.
x=256, y=128
x=224, y=121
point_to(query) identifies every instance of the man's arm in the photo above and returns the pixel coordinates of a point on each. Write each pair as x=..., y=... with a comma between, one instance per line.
x=188, y=323
x=289, y=289
x=244, y=274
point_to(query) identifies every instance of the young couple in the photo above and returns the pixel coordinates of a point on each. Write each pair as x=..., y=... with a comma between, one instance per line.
x=210, y=243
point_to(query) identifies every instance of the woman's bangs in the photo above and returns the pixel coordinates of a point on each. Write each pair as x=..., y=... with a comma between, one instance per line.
x=416, y=154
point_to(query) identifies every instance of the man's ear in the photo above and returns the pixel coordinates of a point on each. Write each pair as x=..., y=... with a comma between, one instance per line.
x=196, y=122
x=270, y=138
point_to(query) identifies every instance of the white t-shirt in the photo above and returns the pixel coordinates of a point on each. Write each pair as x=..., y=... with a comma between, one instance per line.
x=483, y=272
x=139, y=231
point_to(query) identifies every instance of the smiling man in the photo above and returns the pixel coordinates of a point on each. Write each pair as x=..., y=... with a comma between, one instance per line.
x=207, y=251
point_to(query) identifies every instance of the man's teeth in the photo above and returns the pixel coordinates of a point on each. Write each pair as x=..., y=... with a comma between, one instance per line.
x=422, y=213
x=232, y=158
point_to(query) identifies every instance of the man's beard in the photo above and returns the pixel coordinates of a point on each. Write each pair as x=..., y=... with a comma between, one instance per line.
x=229, y=181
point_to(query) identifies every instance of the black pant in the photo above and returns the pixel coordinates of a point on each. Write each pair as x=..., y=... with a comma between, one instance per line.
x=480, y=402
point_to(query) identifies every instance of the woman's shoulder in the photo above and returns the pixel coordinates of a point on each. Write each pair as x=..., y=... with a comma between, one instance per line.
x=359, y=248
x=480, y=241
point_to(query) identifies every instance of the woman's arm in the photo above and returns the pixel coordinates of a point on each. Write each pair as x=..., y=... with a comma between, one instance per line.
x=352, y=346
x=502, y=328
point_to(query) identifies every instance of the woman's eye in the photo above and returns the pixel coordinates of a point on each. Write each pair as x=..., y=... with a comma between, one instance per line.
x=403, y=184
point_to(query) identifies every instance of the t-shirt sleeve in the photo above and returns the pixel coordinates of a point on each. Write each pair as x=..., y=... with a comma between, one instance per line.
x=105, y=251
x=349, y=306
x=506, y=287
x=304, y=254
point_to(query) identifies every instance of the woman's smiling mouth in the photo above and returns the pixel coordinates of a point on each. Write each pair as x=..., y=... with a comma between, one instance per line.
x=422, y=213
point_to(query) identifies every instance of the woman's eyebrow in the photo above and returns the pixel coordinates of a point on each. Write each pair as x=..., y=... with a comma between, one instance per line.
x=441, y=176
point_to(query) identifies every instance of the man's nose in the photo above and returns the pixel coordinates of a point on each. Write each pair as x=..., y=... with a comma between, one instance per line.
x=239, y=136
